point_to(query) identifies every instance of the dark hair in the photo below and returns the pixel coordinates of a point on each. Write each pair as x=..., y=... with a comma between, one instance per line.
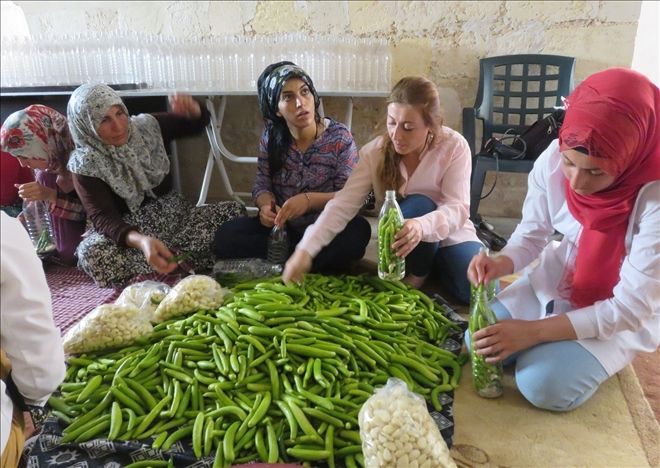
x=423, y=95
x=269, y=87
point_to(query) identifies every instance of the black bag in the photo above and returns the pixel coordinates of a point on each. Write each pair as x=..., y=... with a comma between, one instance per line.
x=530, y=143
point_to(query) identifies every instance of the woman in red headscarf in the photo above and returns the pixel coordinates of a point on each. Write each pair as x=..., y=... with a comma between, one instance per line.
x=592, y=301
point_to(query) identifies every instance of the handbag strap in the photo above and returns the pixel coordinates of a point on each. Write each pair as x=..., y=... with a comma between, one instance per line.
x=515, y=139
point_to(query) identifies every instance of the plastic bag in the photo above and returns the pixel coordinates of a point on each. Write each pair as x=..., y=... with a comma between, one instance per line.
x=397, y=430
x=145, y=296
x=189, y=295
x=229, y=272
x=107, y=326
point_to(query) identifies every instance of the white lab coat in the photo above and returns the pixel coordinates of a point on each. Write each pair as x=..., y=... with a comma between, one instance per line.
x=27, y=332
x=613, y=330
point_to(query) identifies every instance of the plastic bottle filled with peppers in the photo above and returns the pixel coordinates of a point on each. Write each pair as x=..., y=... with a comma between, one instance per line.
x=37, y=223
x=390, y=220
x=487, y=378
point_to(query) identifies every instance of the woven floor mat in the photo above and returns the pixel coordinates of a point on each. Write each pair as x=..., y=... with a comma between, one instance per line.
x=74, y=294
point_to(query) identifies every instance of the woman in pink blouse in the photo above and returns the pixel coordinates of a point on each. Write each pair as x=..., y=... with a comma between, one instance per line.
x=429, y=166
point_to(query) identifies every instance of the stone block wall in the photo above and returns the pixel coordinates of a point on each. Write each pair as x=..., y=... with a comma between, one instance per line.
x=442, y=40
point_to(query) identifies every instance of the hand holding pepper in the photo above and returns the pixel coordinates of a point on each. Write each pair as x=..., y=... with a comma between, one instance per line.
x=298, y=264
x=484, y=269
x=294, y=207
x=267, y=214
x=407, y=238
x=155, y=251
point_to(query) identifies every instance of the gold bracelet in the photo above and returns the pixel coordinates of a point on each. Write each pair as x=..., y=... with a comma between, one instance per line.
x=309, y=200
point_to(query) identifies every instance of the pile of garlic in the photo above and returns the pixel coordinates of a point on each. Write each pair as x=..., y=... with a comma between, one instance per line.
x=397, y=430
x=107, y=326
x=191, y=294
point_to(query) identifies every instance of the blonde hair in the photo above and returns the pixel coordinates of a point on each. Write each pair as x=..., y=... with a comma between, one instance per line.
x=422, y=94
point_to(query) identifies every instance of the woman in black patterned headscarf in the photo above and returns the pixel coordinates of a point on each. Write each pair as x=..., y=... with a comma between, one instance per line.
x=304, y=159
x=269, y=88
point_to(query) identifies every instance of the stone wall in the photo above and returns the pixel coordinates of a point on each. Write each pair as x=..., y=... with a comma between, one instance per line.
x=441, y=40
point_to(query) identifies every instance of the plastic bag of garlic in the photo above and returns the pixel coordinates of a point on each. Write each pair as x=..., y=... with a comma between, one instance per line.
x=107, y=326
x=191, y=294
x=145, y=295
x=397, y=430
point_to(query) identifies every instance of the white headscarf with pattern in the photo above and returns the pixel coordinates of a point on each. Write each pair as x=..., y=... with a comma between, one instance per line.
x=131, y=170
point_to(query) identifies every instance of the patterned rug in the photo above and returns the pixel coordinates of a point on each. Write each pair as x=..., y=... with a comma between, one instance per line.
x=74, y=294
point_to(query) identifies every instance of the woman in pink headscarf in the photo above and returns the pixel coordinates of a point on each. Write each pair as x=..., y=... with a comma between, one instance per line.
x=38, y=137
x=592, y=301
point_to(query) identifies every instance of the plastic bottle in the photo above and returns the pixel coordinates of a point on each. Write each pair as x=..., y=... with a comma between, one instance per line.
x=278, y=246
x=37, y=222
x=232, y=271
x=487, y=378
x=390, y=220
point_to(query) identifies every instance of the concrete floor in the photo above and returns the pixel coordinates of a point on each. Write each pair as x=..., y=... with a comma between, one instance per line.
x=645, y=365
x=502, y=226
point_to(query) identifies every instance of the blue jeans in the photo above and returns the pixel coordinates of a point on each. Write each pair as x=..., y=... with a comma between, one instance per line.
x=543, y=376
x=449, y=263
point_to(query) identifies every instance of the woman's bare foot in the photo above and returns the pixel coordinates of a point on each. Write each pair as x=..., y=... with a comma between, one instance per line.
x=414, y=281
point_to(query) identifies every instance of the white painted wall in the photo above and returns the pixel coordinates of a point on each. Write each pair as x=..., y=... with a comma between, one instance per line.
x=646, y=57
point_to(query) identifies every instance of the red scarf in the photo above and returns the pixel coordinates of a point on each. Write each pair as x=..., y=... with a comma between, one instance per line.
x=612, y=114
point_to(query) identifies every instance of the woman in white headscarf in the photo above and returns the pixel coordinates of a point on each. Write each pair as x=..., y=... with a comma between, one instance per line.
x=120, y=171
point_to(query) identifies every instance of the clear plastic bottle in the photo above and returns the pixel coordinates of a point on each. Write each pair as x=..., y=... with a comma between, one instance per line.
x=278, y=246
x=390, y=220
x=231, y=271
x=487, y=378
x=37, y=222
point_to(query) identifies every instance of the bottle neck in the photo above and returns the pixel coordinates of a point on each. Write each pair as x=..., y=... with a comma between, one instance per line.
x=390, y=195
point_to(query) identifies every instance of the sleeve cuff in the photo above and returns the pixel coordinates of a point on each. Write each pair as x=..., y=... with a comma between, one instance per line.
x=582, y=322
x=431, y=232
x=123, y=233
x=512, y=253
x=259, y=193
x=311, y=250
